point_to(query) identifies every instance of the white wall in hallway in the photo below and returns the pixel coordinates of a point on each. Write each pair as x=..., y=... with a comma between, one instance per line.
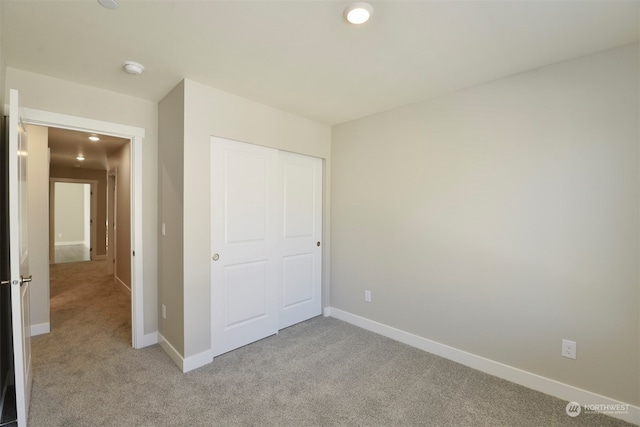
x=69, y=218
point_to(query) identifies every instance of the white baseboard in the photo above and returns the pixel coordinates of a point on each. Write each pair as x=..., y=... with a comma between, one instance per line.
x=171, y=351
x=536, y=382
x=149, y=339
x=72, y=243
x=326, y=312
x=185, y=364
x=198, y=360
x=40, y=328
x=122, y=283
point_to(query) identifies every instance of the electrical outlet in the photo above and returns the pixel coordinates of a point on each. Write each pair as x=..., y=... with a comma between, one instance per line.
x=569, y=349
x=164, y=311
x=367, y=296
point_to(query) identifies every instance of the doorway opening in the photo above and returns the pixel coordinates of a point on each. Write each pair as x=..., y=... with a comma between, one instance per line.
x=78, y=196
x=129, y=200
x=72, y=220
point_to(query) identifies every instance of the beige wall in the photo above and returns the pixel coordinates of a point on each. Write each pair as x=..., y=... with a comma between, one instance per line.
x=38, y=212
x=60, y=96
x=99, y=175
x=501, y=219
x=171, y=206
x=121, y=163
x=209, y=112
x=69, y=212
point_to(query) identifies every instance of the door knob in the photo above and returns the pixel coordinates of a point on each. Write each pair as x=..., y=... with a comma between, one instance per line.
x=24, y=280
x=215, y=257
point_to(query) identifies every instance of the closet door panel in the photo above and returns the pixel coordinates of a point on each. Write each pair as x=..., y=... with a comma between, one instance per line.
x=244, y=265
x=301, y=255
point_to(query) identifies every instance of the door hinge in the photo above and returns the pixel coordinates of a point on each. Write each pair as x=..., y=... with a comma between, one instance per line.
x=134, y=253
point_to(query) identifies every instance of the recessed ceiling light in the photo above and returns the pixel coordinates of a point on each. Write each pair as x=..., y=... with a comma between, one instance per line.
x=358, y=13
x=109, y=4
x=132, y=67
x=80, y=157
x=94, y=138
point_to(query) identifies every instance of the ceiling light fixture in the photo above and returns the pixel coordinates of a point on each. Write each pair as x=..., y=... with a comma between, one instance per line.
x=109, y=4
x=80, y=157
x=133, y=67
x=94, y=138
x=358, y=13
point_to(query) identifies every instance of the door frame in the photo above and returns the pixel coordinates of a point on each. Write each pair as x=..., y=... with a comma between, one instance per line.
x=112, y=178
x=136, y=136
x=52, y=215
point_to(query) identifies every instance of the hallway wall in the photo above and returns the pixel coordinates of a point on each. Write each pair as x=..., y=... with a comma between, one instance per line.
x=121, y=161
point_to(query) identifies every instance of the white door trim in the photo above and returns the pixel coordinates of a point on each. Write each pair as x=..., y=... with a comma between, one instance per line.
x=111, y=217
x=136, y=135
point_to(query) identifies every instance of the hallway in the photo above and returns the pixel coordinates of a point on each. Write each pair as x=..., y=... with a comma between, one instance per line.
x=82, y=294
x=72, y=253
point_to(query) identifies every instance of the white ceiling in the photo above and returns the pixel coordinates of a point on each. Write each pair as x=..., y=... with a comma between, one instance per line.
x=301, y=56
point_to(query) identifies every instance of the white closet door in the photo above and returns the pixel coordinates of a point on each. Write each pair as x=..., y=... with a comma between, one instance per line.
x=300, y=243
x=244, y=240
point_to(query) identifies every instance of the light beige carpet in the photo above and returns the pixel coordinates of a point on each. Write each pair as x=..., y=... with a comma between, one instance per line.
x=322, y=372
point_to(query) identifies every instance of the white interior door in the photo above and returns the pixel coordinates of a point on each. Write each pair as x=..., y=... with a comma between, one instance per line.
x=19, y=254
x=244, y=271
x=301, y=254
